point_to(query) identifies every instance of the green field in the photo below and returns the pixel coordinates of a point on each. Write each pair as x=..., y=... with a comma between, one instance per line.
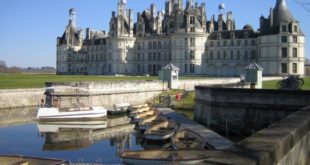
x=12, y=81
x=272, y=84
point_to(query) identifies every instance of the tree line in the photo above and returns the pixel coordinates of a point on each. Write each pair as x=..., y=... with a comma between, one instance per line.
x=5, y=69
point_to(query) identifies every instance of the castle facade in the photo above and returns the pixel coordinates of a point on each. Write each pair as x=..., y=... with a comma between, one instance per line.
x=184, y=36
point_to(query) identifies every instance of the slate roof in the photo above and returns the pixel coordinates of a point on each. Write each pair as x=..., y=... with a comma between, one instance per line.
x=170, y=66
x=238, y=34
x=253, y=66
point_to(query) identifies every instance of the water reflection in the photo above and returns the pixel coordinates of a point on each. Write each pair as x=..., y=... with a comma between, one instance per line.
x=79, y=142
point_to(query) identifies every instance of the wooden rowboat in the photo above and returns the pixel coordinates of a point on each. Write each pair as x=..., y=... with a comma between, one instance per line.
x=142, y=116
x=138, y=111
x=161, y=131
x=164, y=157
x=148, y=122
x=188, y=139
x=25, y=160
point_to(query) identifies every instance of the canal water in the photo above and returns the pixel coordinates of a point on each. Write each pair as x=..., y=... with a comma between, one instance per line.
x=100, y=142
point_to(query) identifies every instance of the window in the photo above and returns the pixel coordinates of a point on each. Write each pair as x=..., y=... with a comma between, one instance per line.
x=211, y=55
x=154, y=56
x=246, y=54
x=253, y=42
x=295, y=54
x=150, y=45
x=171, y=24
x=224, y=54
x=295, y=28
x=246, y=42
x=239, y=42
x=284, y=39
x=192, y=29
x=192, y=20
x=139, y=57
x=284, y=28
x=294, y=68
x=284, y=52
x=225, y=43
x=192, y=54
x=231, y=55
x=154, y=45
x=150, y=56
x=159, y=57
x=284, y=67
x=295, y=39
x=218, y=55
x=192, y=41
x=232, y=43
x=238, y=54
x=185, y=55
x=185, y=68
x=159, y=45
x=211, y=43
x=253, y=54
x=218, y=43
x=192, y=68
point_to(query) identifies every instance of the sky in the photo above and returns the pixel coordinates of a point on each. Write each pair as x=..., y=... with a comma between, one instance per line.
x=29, y=28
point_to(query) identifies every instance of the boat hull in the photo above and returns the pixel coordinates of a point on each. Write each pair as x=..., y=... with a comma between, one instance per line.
x=53, y=114
x=131, y=161
x=158, y=137
x=166, y=156
x=18, y=159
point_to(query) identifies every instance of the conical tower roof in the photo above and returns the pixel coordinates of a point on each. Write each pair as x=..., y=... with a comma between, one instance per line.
x=281, y=13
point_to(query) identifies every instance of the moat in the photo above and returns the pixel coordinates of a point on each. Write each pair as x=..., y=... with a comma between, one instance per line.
x=78, y=142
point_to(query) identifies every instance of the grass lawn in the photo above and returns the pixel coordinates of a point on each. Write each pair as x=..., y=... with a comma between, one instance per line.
x=13, y=81
x=272, y=84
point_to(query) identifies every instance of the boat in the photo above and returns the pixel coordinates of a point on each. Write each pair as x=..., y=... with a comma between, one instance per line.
x=134, y=107
x=74, y=114
x=164, y=157
x=187, y=139
x=138, y=111
x=146, y=123
x=119, y=109
x=161, y=131
x=51, y=108
x=26, y=160
x=144, y=115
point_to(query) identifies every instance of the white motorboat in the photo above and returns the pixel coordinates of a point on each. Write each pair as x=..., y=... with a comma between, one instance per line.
x=52, y=108
x=81, y=113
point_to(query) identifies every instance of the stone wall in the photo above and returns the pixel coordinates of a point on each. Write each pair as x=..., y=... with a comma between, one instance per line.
x=286, y=142
x=245, y=110
x=104, y=93
x=10, y=98
x=190, y=84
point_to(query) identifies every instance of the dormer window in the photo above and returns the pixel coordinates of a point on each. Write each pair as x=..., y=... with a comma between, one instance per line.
x=295, y=28
x=192, y=20
x=246, y=34
x=218, y=36
x=232, y=35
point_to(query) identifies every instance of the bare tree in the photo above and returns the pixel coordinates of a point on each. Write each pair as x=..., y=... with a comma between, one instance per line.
x=305, y=4
x=2, y=63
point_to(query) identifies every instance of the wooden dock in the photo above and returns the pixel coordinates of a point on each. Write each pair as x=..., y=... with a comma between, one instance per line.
x=212, y=138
